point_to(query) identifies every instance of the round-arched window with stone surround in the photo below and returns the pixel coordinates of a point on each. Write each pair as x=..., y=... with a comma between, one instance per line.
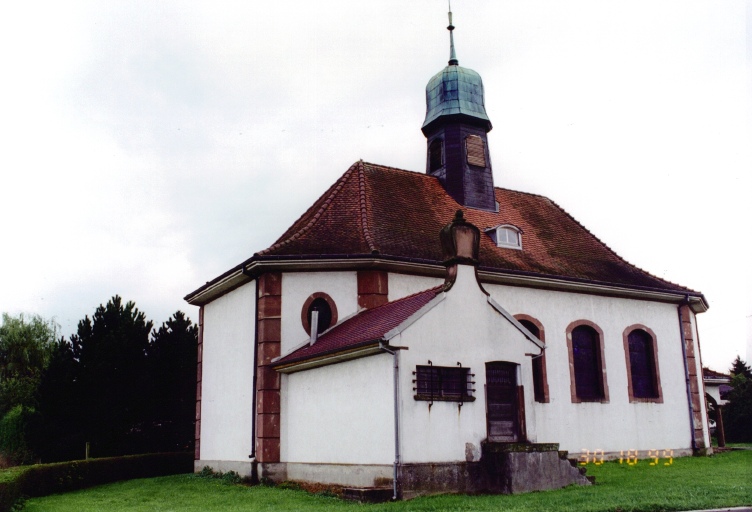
x=326, y=307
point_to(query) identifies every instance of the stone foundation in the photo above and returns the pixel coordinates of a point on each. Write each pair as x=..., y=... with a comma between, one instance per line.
x=504, y=468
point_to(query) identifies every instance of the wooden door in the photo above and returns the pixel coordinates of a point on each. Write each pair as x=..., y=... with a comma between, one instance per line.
x=501, y=402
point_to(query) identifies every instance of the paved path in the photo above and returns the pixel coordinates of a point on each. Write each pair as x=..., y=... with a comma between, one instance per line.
x=729, y=509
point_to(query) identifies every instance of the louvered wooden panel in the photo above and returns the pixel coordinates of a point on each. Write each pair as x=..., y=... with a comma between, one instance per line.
x=501, y=402
x=476, y=154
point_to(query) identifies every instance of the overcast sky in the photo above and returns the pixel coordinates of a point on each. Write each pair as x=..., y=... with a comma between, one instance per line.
x=146, y=147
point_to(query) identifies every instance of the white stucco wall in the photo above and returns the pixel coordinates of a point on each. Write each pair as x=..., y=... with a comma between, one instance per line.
x=402, y=285
x=227, y=376
x=339, y=414
x=619, y=424
x=462, y=328
x=342, y=287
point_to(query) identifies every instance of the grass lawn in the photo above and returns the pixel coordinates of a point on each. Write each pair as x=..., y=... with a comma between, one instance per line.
x=723, y=480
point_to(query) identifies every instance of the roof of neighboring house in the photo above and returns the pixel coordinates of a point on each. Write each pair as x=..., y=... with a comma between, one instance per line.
x=707, y=373
x=367, y=326
x=374, y=211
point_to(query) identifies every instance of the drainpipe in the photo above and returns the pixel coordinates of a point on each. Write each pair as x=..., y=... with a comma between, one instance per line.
x=686, y=375
x=395, y=355
x=252, y=456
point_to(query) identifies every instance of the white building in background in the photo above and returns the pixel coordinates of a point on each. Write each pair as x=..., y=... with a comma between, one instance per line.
x=460, y=364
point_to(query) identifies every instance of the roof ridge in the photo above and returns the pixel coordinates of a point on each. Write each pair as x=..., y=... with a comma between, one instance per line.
x=329, y=196
x=364, y=208
x=395, y=169
x=610, y=250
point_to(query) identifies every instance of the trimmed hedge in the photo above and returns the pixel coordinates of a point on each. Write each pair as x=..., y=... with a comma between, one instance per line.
x=46, y=479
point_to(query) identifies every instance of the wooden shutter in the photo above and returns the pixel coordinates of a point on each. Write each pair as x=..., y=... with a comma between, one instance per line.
x=476, y=153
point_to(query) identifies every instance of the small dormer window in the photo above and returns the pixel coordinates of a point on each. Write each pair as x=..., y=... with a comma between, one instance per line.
x=506, y=236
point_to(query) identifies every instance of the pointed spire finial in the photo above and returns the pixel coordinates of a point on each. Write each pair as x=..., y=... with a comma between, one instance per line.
x=452, y=55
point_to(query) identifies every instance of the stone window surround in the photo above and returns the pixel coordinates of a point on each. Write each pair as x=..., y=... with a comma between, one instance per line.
x=542, y=337
x=307, y=304
x=604, y=381
x=657, y=376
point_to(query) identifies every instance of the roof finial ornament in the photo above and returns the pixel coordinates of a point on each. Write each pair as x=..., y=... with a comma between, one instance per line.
x=452, y=55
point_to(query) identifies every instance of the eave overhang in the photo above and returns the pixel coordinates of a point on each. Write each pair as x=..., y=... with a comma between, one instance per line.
x=365, y=349
x=257, y=265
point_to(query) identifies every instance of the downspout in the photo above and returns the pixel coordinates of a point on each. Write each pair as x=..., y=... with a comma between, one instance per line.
x=686, y=375
x=252, y=456
x=395, y=355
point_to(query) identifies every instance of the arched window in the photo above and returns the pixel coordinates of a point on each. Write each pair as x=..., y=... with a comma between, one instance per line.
x=642, y=365
x=540, y=383
x=322, y=303
x=435, y=155
x=587, y=367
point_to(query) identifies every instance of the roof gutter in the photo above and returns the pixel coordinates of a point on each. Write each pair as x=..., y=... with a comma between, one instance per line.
x=258, y=264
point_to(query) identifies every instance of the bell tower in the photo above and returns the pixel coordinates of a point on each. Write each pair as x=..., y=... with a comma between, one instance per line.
x=456, y=128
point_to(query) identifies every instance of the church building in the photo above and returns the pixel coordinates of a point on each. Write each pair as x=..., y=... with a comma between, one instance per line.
x=431, y=332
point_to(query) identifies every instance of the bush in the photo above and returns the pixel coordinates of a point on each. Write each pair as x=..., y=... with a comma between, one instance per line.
x=14, y=428
x=45, y=479
x=231, y=477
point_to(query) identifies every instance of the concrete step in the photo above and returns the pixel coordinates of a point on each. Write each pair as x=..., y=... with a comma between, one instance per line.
x=368, y=494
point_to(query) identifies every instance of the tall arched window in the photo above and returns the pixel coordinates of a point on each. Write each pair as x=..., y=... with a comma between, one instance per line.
x=540, y=381
x=587, y=367
x=642, y=365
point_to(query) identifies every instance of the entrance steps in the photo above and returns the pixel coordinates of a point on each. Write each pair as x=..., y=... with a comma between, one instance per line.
x=368, y=494
x=512, y=468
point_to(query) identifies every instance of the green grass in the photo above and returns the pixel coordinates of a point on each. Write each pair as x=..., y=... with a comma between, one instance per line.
x=723, y=480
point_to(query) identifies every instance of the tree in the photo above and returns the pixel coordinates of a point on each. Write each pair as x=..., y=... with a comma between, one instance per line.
x=737, y=414
x=172, y=365
x=118, y=389
x=60, y=436
x=739, y=367
x=110, y=350
x=25, y=349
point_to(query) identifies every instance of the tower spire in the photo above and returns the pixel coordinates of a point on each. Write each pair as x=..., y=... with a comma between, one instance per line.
x=452, y=55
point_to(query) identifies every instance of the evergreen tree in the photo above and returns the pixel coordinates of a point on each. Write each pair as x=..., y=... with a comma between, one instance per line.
x=737, y=414
x=172, y=364
x=60, y=436
x=739, y=367
x=111, y=377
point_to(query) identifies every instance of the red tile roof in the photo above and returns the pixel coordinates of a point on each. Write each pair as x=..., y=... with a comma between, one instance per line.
x=377, y=210
x=369, y=325
x=707, y=373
